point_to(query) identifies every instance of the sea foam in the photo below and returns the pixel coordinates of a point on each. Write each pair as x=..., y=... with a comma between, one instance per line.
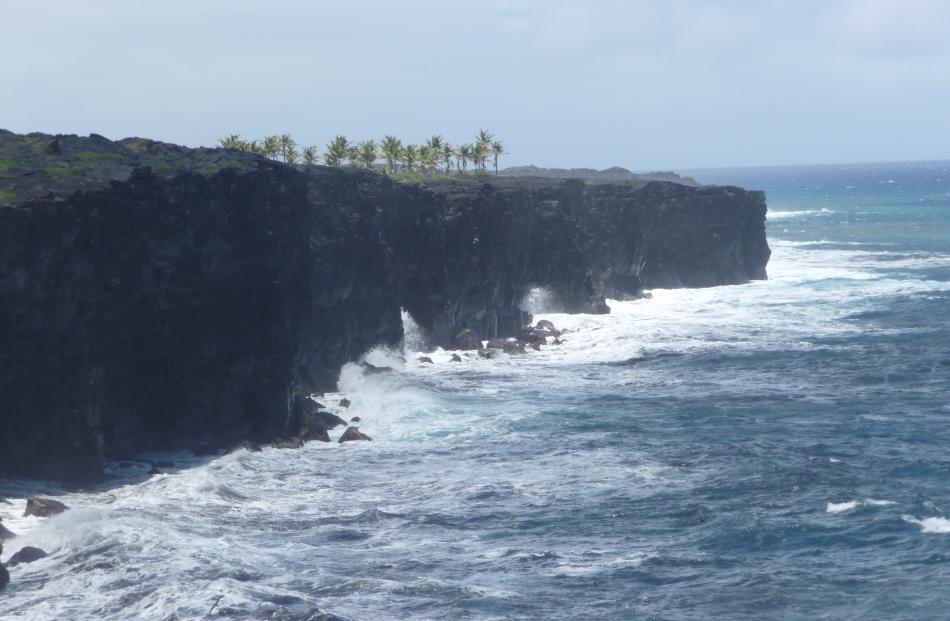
x=938, y=525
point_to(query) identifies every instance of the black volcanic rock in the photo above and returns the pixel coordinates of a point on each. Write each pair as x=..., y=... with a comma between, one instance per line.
x=307, y=415
x=533, y=336
x=6, y=533
x=43, y=507
x=468, y=339
x=27, y=554
x=314, y=434
x=372, y=369
x=314, y=425
x=180, y=297
x=327, y=420
x=351, y=434
x=215, y=298
x=669, y=235
x=514, y=347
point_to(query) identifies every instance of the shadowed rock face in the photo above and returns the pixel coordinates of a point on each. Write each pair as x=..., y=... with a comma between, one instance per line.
x=170, y=313
x=666, y=235
x=143, y=308
x=466, y=253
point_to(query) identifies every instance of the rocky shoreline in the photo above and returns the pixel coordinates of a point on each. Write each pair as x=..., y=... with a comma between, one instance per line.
x=311, y=421
x=154, y=297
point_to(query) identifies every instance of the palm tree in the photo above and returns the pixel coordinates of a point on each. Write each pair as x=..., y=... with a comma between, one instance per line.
x=271, y=146
x=287, y=146
x=480, y=154
x=291, y=154
x=462, y=155
x=392, y=147
x=497, y=149
x=234, y=141
x=447, y=153
x=426, y=158
x=367, y=153
x=482, y=147
x=337, y=151
x=353, y=155
x=410, y=155
x=309, y=155
x=435, y=143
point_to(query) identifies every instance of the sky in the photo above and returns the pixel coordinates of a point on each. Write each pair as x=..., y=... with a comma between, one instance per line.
x=645, y=84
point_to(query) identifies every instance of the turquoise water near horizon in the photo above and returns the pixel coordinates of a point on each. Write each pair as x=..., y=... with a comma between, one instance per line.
x=775, y=450
x=889, y=204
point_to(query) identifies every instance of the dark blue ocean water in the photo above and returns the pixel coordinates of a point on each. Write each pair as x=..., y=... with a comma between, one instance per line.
x=777, y=450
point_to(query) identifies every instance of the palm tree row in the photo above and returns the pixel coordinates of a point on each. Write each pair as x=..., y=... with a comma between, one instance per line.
x=433, y=155
x=282, y=148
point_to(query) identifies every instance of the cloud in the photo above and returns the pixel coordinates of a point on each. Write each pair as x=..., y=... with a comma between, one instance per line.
x=640, y=83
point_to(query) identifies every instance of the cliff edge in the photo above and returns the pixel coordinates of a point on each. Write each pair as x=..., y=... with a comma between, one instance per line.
x=157, y=297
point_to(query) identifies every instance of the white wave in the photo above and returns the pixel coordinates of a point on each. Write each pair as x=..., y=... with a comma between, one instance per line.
x=783, y=215
x=413, y=339
x=841, y=507
x=594, y=563
x=818, y=242
x=538, y=300
x=937, y=525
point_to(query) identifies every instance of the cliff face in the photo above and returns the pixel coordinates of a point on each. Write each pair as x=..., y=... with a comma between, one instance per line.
x=163, y=313
x=667, y=235
x=146, y=308
x=466, y=254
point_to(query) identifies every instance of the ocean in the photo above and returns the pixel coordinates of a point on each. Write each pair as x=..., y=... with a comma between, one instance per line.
x=775, y=450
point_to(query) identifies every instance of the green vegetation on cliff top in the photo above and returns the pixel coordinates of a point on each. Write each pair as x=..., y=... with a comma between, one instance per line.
x=426, y=159
x=37, y=165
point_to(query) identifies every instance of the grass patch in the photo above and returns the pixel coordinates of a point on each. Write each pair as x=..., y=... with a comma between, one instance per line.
x=407, y=176
x=7, y=198
x=65, y=171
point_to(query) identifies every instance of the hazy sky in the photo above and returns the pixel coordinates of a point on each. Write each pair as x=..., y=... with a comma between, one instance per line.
x=664, y=84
